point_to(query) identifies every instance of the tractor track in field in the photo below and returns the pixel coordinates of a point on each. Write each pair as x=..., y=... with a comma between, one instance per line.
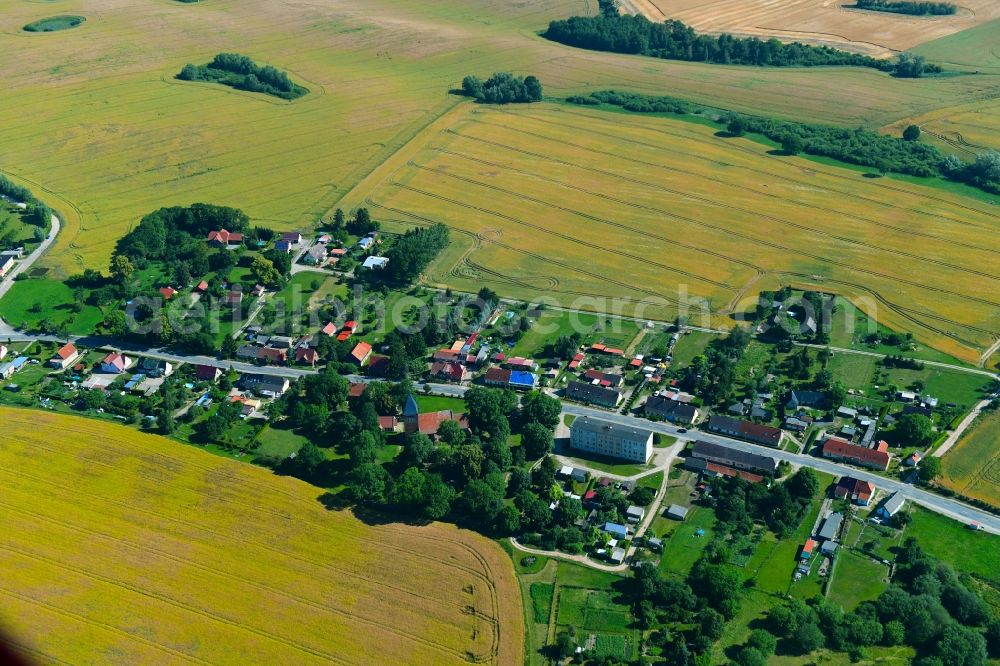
x=769, y=174
x=638, y=258
x=169, y=601
x=705, y=200
x=481, y=575
x=795, y=251
x=524, y=197
x=104, y=625
x=607, y=197
x=545, y=259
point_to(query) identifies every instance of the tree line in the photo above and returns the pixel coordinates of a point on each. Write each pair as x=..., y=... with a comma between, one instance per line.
x=854, y=146
x=503, y=88
x=239, y=71
x=673, y=40
x=908, y=7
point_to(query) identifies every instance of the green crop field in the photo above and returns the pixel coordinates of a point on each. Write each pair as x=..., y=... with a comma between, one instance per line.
x=378, y=75
x=972, y=466
x=126, y=547
x=545, y=200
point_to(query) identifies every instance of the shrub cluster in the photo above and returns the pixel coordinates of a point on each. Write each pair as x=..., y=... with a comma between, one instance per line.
x=503, y=88
x=239, y=71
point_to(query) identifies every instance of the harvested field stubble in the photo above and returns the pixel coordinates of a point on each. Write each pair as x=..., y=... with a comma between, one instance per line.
x=560, y=201
x=124, y=546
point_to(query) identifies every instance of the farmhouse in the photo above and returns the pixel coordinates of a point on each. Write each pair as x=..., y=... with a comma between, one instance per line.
x=65, y=357
x=265, y=385
x=671, y=410
x=735, y=458
x=714, y=470
x=7, y=370
x=754, y=432
x=604, y=396
x=115, y=363
x=223, y=238
x=839, y=449
x=611, y=439
x=454, y=372
x=854, y=490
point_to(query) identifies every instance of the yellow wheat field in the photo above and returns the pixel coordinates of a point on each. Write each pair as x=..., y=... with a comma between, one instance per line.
x=120, y=547
x=584, y=204
x=972, y=467
x=93, y=120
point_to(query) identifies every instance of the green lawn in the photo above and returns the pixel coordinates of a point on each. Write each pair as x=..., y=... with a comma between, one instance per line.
x=276, y=443
x=33, y=301
x=541, y=601
x=683, y=547
x=691, y=344
x=952, y=542
x=856, y=578
x=552, y=324
x=653, y=481
x=437, y=403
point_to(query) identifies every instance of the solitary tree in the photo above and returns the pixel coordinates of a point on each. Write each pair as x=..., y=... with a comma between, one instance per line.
x=911, y=133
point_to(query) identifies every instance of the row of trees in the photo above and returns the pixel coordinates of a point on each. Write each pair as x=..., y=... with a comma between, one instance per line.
x=503, y=88
x=855, y=146
x=673, y=40
x=908, y=7
x=239, y=71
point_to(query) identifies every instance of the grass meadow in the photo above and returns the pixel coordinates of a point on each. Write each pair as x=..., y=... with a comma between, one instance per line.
x=972, y=466
x=555, y=200
x=128, y=546
x=378, y=76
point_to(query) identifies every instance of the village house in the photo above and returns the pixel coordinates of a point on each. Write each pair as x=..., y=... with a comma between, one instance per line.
x=454, y=372
x=361, y=353
x=593, y=394
x=515, y=379
x=754, y=432
x=7, y=370
x=831, y=526
x=711, y=470
x=891, y=506
x=735, y=458
x=6, y=263
x=3, y=352
x=854, y=490
x=315, y=256
x=292, y=237
x=201, y=287
x=329, y=330
x=810, y=399
x=115, y=363
x=307, y=355
x=839, y=449
x=154, y=367
x=207, y=373
x=272, y=355
x=265, y=385
x=611, y=439
x=233, y=298
x=671, y=410
x=677, y=512
x=167, y=292
x=604, y=378
x=65, y=357
x=372, y=263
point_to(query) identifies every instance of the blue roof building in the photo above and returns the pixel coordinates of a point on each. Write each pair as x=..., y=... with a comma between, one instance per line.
x=616, y=530
x=522, y=379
